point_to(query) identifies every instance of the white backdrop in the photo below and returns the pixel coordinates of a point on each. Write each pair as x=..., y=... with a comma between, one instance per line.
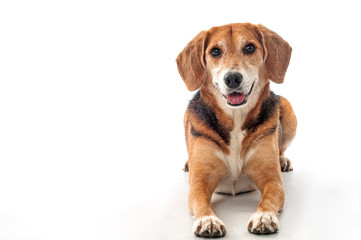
x=91, y=107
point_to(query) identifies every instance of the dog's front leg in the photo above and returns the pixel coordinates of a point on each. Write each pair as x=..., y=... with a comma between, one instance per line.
x=263, y=167
x=205, y=172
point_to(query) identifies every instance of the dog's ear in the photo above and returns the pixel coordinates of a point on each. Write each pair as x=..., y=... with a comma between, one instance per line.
x=277, y=54
x=191, y=62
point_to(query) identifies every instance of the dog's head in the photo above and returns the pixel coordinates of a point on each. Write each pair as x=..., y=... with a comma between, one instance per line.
x=234, y=59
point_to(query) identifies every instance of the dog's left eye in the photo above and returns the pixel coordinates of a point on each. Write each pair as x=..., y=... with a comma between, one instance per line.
x=216, y=52
x=250, y=48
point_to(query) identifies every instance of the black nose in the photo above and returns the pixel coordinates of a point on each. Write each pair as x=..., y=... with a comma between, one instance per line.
x=233, y=80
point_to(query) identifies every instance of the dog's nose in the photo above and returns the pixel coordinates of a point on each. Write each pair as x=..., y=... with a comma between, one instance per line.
x=233, y=80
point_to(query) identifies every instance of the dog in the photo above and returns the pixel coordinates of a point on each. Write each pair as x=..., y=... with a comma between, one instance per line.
x=237, y=130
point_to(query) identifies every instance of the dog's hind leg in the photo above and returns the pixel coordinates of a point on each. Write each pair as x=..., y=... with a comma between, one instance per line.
x=288, y=125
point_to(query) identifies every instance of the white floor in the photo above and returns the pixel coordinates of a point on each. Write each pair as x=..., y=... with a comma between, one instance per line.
x=315, y=208
x=318, y=206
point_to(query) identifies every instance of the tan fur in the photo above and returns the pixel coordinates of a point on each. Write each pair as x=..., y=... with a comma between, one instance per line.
x=260, y=153
x=289, y=124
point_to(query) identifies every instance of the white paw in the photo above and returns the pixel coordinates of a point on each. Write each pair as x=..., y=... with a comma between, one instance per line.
x=286, y=164
x=263, y=223
x=209, y=227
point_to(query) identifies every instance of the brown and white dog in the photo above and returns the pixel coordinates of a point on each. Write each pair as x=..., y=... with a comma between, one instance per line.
x=237, y=130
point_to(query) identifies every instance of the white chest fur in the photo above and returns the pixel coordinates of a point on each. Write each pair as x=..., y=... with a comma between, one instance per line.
x=233, y=159
x=235, y=182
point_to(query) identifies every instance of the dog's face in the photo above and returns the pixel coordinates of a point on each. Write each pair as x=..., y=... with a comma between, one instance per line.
x=234, y=59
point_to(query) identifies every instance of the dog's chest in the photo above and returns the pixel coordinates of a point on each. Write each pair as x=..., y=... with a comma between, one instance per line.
x=233, y=159
x=235, y=181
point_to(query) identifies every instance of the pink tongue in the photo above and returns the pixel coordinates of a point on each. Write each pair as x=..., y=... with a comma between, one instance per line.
x=235, y=98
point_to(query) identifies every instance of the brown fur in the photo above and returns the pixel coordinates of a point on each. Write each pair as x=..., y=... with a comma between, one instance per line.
x=261, y=127
x=289, y=123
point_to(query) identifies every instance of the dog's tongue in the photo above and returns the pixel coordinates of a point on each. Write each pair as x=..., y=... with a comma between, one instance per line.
x=235, y=98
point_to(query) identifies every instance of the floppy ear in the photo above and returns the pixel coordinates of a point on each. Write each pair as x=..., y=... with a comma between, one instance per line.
x=191, y=63
x=277, y=54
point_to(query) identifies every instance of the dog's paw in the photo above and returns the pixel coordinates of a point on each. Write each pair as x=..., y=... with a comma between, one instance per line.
x=209, y=227
x=262, y=223
x=286, y=164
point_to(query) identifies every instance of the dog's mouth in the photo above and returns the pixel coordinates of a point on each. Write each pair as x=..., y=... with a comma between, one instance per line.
x=238, y=98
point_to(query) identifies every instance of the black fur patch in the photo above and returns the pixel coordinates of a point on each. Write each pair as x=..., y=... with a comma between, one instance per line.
x=195, y=133
x=268, y=107
x=205, y=114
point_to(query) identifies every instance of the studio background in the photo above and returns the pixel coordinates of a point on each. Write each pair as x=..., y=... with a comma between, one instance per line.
x=91, y=117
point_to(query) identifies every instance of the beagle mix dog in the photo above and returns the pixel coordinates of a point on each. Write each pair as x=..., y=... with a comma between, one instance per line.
x=237, y=130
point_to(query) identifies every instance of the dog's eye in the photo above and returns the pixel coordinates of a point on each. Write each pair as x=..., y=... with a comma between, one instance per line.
x=216, y=52
x=250, y=48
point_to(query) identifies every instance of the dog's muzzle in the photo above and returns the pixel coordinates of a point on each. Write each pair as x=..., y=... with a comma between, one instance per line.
x=237, y=98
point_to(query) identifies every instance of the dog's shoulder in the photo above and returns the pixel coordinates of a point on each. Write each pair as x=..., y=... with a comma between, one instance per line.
x=205, y=120
x=268, y=111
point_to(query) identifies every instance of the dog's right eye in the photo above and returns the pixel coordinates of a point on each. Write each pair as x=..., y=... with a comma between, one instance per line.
x=216, y=52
